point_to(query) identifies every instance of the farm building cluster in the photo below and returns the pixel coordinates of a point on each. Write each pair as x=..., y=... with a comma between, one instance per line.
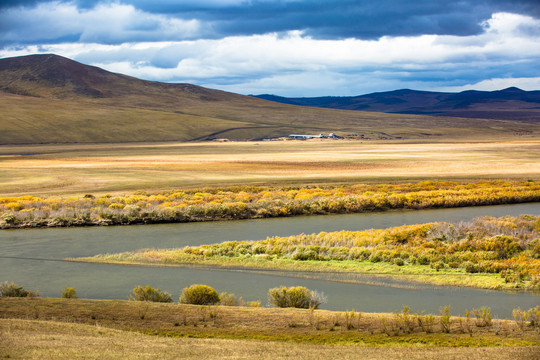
x=320, y=136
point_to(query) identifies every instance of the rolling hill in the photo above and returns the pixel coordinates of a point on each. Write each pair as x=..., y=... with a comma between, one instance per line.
x=508, y=104
x=52, y=99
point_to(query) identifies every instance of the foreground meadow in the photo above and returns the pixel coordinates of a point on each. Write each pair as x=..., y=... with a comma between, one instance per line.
x=34, y=339
x=77, y=328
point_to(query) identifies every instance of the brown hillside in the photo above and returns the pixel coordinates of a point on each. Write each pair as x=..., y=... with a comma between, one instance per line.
x=52, y=99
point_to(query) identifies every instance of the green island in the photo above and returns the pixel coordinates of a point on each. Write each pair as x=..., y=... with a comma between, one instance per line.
x=488, y=253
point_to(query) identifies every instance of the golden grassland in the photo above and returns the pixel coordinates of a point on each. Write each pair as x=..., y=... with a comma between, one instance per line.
x=80, y=328
x=118, y=168
x=250, y=202
x=490, y=253
x=34, y=339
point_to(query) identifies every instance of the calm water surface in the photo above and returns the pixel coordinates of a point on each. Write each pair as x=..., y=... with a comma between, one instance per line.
x=31, y=258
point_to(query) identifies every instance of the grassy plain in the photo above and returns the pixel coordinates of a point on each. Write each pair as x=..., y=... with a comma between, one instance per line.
x=120, y=168
x=76, y=328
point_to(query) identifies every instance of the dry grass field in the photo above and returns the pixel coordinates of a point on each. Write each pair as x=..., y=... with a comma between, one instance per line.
x=68, y=328
x=34, y=339
x=115, y=168
x=90, y=329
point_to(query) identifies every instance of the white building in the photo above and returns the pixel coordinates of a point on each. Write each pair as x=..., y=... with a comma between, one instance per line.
x=304, y=137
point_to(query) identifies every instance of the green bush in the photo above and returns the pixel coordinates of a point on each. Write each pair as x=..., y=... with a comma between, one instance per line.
x=13, y=290
x=198, y=294
x=471, y=267
x=69, y=293
x=148, y=293
x=423, y=260
x=437, y=265
x=376, y=257
x=295, y=296
x=9, y=218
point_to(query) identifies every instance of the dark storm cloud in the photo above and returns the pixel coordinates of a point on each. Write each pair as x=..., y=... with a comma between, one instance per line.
x=338, y=19
x=364, y=19
x=15, y=3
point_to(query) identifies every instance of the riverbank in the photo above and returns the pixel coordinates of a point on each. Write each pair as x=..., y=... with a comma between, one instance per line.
x=254, y=202
x=68, y=322
x=486, y=253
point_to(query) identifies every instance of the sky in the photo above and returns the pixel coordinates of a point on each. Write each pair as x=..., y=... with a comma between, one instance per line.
x=290, y=47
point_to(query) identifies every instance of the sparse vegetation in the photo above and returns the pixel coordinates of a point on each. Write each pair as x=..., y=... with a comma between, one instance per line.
x=13, y=290
x=148, y=293
x=227, y=299
x=291, y=325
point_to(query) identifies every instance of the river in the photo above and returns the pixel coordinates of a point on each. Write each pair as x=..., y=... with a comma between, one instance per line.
x=33, y=258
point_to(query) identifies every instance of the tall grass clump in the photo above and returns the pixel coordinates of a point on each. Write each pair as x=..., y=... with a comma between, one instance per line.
x=198, y=294
x=296, y=297
x=13, y=290
x=483, y=316
x=445, y=318
x=148, y=293
x=227, y=299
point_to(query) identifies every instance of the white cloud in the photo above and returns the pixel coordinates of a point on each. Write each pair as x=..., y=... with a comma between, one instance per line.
x=505, y=23
x=105, y=23
x=528, y=83
x=294, y=64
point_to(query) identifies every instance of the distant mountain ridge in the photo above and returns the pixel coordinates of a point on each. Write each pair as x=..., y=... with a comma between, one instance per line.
x=507, y=104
